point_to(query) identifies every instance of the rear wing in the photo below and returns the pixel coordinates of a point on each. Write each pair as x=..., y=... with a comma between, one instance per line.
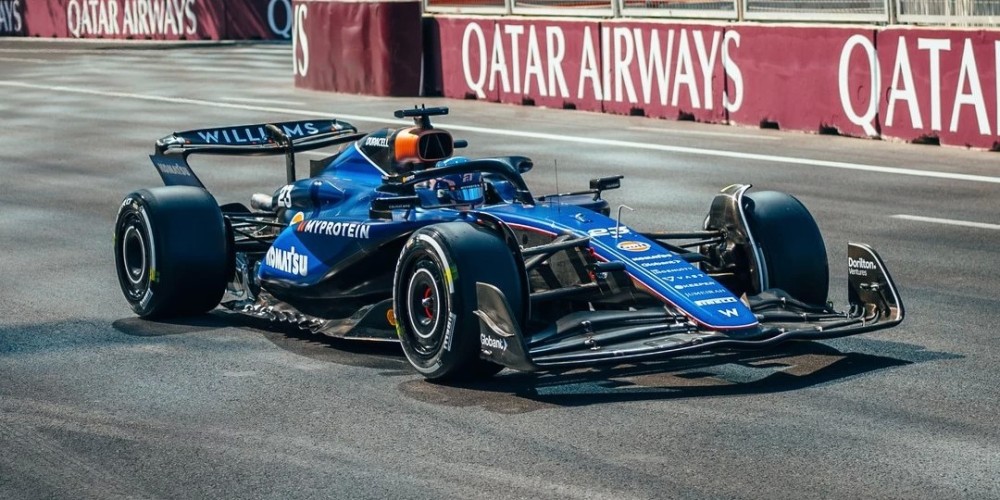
x=288, y=138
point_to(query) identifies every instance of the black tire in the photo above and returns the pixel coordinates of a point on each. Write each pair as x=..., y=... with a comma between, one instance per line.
x=791, y=244
x=171, y=251
x=435, y=322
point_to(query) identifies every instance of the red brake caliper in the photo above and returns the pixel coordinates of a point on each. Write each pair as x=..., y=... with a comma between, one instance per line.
x=427, y=308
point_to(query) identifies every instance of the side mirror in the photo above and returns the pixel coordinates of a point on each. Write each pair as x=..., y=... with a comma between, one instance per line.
x=606, y=183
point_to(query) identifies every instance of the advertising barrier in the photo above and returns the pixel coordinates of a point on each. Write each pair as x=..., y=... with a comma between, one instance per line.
x=148, y=19
x=928, y=85
x=939, y=85
x=801, y=78
x=368, y=47
x=914, y=84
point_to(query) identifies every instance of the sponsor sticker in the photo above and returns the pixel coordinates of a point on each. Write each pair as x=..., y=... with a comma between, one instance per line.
x=379, y=142
x=633, y=246
x=612, y=231
x=288, y=261
x=859, y=266
x=713, y=302
x=490, y=342
x=653, y=257
x=449, y=331
x=357, y=230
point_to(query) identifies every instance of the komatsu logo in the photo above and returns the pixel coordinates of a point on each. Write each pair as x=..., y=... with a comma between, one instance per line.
x=288, y=261
x=492, y=343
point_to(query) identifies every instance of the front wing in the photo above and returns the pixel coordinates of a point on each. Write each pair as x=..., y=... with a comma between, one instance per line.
x=595, y=337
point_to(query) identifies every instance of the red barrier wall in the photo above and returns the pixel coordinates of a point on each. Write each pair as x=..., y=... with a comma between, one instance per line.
x=804, y=78
x=147, y=19
x=941, y=84
x=359, y=47
x=908, y=84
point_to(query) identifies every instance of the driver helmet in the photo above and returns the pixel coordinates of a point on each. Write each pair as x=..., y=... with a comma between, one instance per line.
x=459, y=189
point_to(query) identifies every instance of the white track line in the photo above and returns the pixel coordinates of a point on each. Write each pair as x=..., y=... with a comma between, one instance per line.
x=667, y=131
x=248, y=100
x=951, y=222
x=24, y=59
x=533, y=135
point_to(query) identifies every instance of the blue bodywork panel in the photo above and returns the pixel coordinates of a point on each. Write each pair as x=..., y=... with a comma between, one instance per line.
x=329, y=220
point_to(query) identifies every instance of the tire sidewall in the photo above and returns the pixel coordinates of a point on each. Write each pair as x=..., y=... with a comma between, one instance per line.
x=424, y=252
x=791, y=244
x=133, y=221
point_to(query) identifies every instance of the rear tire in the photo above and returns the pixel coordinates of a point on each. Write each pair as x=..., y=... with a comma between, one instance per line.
x=434, y=296
x=791, y=244
x=170, y=251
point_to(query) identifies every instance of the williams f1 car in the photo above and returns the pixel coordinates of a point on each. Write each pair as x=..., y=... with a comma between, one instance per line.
x=393, y=237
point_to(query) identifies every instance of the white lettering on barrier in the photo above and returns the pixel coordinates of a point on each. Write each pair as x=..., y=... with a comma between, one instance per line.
x=969, y=72
x=475, y=84
x=10, y=16
x=533, y=65
x=624, y=52
x=131, y=17
x=901, y=71
x=673, y=65
x=707, y=59
x=588, y=67
x=300, y=42
x=556, y=49
x=968, y=85
x=934, y=48
x=499, y=63
x=515, y=31
x=685, y=73
x=864, y=120
x=731, y=70
x=655, y=65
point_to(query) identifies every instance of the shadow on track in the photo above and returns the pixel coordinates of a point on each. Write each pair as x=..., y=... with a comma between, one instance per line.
x=138, y=327
x=788, y=367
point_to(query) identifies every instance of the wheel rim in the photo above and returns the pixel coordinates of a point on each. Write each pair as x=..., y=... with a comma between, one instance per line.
x=134, y=255
x=423, y=294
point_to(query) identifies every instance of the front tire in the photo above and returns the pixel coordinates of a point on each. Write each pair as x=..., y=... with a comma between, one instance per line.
x=434, y=296
x=791, y=245
x=170, y=251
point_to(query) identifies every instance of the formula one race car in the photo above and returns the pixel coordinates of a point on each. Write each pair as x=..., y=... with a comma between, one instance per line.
x=393, y=237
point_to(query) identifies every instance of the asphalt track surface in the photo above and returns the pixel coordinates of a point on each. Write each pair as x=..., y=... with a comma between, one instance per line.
x=95, y=403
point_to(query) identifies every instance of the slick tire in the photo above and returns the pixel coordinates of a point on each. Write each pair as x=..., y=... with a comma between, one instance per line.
x=791, y=244
x=434, y=296
x=170, y=251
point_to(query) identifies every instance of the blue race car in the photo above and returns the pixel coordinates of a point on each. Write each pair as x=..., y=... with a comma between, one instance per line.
x=393, y=237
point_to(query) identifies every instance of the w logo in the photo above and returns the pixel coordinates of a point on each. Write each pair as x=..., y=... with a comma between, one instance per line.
x=730, y=313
